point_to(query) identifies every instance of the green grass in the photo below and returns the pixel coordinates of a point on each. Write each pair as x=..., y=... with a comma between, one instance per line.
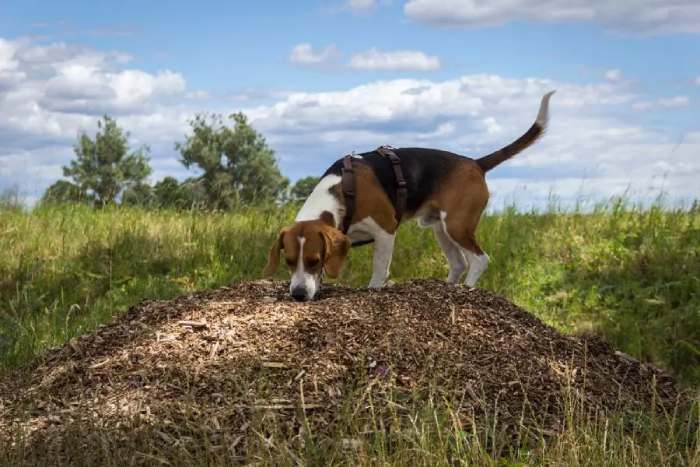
x=628, y=273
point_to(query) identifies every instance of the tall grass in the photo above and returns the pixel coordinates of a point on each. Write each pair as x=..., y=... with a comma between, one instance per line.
x=429, y=432
x=629, y=273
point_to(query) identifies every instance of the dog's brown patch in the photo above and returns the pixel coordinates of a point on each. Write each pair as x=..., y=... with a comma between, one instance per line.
x=324, y=248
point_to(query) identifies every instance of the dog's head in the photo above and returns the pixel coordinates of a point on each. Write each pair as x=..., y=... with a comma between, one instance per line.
x=310, y=249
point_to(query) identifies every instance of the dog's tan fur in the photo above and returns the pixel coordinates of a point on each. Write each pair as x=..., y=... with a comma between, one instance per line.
x=372, y=201
x=324, y=248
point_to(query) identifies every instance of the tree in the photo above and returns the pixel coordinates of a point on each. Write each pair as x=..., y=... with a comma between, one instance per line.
x=237, y=165
x=103, y=166
x=64, y=191
x=169, y=193
x=303, y=188
x=166, y=192
x=140, y=194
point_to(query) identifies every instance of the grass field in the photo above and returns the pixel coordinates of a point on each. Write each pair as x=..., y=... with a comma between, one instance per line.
x=627, y=273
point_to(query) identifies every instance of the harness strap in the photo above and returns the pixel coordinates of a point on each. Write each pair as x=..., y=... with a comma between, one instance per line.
x=348, y=185
x=401, y=189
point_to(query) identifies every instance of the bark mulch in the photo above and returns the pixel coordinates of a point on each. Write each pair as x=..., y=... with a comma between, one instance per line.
x=219, y=360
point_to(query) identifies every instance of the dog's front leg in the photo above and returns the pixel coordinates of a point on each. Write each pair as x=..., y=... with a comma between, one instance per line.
x=383, y=251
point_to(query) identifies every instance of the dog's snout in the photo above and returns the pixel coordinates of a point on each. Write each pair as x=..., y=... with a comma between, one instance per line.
x=299, y=294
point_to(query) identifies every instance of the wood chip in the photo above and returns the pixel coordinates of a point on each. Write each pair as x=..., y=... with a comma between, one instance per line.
x=264, y=357
x=194, y=324
x=274, y=365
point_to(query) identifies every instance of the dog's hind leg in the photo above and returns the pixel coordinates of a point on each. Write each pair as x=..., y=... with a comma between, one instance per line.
x=453, y=253
x=460, y=225
x=477, y=259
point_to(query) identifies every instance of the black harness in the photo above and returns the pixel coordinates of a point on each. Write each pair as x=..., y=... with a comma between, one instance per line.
x=348, y=185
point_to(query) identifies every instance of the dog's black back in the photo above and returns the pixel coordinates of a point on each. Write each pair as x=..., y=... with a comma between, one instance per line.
x=423, y=169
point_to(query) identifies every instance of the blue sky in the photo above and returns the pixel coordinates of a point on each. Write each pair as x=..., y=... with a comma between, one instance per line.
x=320, y=79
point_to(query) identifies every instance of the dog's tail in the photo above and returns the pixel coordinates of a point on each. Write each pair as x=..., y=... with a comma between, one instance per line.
x=530, y=137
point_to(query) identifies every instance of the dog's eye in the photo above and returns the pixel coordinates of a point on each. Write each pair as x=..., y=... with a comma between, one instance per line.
x=312, y=263
x=290, y=262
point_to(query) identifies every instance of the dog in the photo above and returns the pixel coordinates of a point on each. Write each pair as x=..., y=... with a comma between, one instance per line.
x=442, y=190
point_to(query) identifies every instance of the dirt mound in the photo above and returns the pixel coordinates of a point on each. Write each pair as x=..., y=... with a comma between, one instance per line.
x=222, y=358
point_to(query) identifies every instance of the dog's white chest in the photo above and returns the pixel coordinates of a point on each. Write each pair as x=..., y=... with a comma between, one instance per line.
x=321, y=199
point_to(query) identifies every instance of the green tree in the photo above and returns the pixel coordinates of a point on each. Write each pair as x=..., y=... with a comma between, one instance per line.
x=237, y=164
x=303, y=188
x=64, y=191
x=169, y=193
x=192, y=194
x=104, y=165
x=140, y=194
x=166, y=192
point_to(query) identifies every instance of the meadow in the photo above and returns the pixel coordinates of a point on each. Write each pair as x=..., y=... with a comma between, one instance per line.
x=626, y=272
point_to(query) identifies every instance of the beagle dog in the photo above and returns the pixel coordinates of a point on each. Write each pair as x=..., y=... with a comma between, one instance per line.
x=445, y=191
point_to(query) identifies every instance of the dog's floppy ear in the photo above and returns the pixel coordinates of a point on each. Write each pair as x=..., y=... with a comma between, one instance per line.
x=273, y=257
x=335, y=250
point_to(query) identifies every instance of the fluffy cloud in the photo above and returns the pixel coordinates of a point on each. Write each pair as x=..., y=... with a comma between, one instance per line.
x=596, y=145
x=372, y=59
x=403, y=60
x=51, y=92
x=304, y=54
x=648, y=16
x=593, y=148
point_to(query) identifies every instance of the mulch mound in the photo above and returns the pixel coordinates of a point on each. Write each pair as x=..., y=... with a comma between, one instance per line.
x=221, y=358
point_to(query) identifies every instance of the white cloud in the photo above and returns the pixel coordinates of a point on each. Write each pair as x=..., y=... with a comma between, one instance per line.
x=49, y=93
x=7, y=56
x=404, y=60
x=361, y=5
x=591, y=149
x=613, y=75
x=364, y=6
x=642, y=105
x=697, y=80
x=647, y=16
x=131, y=86
x=594, y=135
x=304, y=54
x=198, y=95
x=674, y=102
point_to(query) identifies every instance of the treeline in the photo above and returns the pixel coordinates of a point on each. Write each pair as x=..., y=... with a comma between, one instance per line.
x=234, y=162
